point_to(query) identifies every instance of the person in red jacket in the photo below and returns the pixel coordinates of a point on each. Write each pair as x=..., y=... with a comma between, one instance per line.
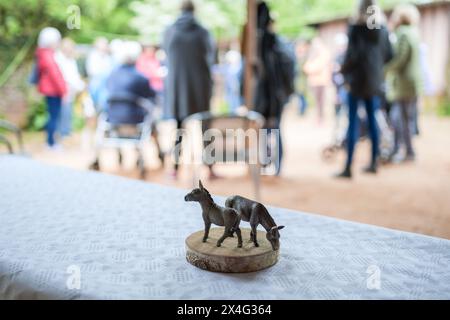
x=51, y=83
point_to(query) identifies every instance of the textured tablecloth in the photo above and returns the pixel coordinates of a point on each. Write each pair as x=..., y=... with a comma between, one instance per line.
x=127, y=240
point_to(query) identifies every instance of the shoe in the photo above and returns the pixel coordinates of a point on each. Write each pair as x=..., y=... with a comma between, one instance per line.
x=55, y=148
x=410, y=158
x=398, y=157
x=370, y=169
x=347, y=174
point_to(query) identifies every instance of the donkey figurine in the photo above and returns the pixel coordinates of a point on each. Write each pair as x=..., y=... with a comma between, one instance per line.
x=255, y=213
x=213, y=213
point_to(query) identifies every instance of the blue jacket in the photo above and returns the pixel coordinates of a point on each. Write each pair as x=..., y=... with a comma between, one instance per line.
x=126, y=85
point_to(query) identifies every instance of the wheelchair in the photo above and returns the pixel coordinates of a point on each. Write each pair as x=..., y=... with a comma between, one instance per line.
x=117, y=135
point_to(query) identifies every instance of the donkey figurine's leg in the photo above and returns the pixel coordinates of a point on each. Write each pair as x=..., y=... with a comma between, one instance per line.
x=207, y=227
x=239, y=235
x=253, y=235
x=238, y=231
x=254, y=221
x=225, y=235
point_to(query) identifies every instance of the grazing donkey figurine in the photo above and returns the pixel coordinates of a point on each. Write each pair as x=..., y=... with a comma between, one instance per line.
x=255, y=213
x=213, y=213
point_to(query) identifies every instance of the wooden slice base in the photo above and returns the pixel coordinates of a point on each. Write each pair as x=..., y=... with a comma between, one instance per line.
x=229, y=258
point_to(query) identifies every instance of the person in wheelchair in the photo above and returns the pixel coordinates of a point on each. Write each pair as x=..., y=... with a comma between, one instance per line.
x=128, y=89
x=129, y=104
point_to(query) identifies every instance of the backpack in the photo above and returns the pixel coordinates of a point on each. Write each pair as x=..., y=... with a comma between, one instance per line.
x=286, y=63
x=34, y=75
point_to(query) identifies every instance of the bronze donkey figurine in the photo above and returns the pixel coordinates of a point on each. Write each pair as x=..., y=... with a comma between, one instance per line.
x=215, y=214
x=255, y=213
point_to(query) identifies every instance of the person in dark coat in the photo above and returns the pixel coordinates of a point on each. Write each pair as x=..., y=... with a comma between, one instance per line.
x=126, y=86
x=369, y=49
x=275, y=74
x=190, y=55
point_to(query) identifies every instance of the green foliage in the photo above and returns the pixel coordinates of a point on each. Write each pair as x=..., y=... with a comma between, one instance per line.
x=36, y=115
x=20, y=20
x=78, y=122
x=223, y=17
x=444, y=108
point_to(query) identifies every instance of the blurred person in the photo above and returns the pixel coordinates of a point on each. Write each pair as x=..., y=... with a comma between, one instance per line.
x=301, y=84
x=341, y=92
x=318, y=68
x=232, y=70
x=190, y=56
x=428, y=88
x=404, y=79
x=98, y=67
x=427, y=78
x=99, y=59
x=66, y=59
x=126, y=81
x=128, y=92
x=368, y=51
x=149, y=65
x=338, y=79
x=51, y=82
x=275, y=74
x=115, y=50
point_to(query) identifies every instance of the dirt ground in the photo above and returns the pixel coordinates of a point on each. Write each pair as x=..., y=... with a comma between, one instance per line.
x=412, y=197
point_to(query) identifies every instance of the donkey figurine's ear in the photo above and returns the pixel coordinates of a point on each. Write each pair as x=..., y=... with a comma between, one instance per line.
x=200, y=185
x=280, y=227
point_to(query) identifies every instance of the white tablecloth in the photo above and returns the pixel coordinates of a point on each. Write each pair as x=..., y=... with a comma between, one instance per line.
x=127, y=240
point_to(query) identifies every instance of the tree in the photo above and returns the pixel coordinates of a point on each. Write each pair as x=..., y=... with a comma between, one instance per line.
x=21, y=21
x=222, y=17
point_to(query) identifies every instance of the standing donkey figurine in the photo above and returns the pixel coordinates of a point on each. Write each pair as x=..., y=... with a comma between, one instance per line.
x=255, y=213
x=213, y=213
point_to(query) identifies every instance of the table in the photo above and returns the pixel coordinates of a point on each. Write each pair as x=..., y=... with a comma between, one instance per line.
x=67, y=234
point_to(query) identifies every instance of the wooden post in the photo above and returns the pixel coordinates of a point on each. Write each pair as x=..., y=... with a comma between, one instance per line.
x=250, y=52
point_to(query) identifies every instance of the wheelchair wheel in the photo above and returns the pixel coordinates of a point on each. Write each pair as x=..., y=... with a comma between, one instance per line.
x=141, y=166
x=119, y=153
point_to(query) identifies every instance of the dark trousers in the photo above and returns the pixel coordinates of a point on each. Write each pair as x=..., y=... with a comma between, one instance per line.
x=371, y=104
x=272, y=126
x=54, y=112
x=405, y=124
x=302, y=103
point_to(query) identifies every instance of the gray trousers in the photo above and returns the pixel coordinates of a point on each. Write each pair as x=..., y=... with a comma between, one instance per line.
x=403, y=117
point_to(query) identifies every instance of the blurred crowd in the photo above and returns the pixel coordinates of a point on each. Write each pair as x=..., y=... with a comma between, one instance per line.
x=382, y=68
x=380, y=64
